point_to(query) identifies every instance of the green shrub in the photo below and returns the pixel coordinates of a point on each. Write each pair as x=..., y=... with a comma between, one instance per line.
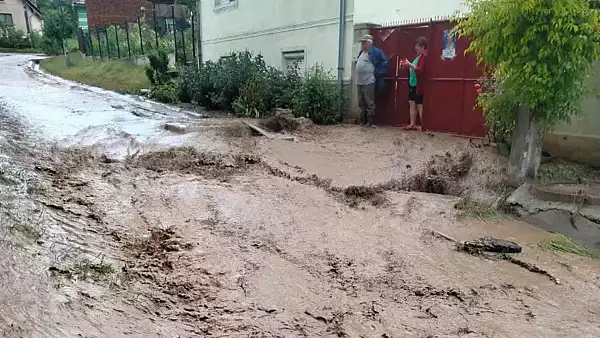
x=165, y=92
x=231, y=84
x=243, y=84
x=253, y=98
x=10, y=37
x=317, y=97
x=158, y=67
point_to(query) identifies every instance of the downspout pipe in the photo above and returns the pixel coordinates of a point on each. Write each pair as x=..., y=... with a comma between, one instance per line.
x=340, y=68
x=199, y=25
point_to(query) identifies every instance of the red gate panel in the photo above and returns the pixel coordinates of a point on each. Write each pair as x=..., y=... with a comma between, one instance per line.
x=450, y=98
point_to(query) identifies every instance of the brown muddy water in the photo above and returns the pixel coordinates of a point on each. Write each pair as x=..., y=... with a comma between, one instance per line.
x=231, y=235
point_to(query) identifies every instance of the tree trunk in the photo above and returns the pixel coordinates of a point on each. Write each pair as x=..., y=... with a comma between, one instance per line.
x=526, y=149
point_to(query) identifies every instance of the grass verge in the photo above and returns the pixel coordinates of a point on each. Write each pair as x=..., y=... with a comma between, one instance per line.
x=565, y=244
x=468, y=208
x=116, y=75
x=560, y=171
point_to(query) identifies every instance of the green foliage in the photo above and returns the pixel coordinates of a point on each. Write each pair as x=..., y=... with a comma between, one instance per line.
x=317, y=97
x=244, y=84
x=158, y=67
x=540, y=53
x=565, y=244
x=469, y=208
x=499, y=108
x=565, y=172
x=120, y=76
x=10, y=37
x=217, y=85
x=60, y=24
x=165, y=92
x=252, y=98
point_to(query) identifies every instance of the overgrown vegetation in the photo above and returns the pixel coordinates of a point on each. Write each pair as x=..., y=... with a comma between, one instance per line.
x=12, y=38
x=560, y=171
x=539, y=54
x=562, y=243
x=120, y=76
x=245, y=85
x=60, y=26
x=469, y=208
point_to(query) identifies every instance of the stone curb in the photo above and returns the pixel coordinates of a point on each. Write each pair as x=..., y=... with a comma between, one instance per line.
x=552, y=195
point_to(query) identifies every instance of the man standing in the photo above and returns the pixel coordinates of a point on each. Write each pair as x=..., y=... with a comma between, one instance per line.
x=371, y=66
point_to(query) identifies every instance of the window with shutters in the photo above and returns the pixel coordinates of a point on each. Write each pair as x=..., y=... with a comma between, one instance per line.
x=6, y=18
x=294, y=59
x=225, y=4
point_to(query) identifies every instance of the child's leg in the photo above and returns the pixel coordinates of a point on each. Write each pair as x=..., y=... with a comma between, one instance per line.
x=413, y=114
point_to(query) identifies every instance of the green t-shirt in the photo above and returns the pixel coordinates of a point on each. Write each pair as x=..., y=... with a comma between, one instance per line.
x=412, y=79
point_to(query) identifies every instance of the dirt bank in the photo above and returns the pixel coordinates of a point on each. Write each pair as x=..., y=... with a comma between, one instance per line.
x=249, y=237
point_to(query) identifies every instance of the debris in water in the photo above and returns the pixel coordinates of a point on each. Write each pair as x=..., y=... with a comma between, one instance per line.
x=258, y=130
x=490, y=244
x=495, y=249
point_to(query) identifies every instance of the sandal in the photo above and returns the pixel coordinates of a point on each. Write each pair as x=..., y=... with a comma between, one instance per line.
x=409, y=127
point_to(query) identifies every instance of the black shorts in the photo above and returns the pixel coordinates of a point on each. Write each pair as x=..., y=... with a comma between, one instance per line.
x=413, y=96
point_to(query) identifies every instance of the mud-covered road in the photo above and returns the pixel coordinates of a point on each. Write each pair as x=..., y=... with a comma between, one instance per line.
x=112, y=226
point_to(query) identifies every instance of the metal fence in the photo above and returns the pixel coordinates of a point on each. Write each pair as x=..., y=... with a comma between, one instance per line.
x=175, y=34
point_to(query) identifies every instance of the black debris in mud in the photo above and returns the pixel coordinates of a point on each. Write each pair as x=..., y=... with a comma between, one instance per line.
x=374, y=195
x=189, y=161
x=490, y=244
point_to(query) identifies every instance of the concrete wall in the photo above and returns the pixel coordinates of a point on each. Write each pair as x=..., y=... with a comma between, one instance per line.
x=271, y=27
x=15, y=7
x=579, y=140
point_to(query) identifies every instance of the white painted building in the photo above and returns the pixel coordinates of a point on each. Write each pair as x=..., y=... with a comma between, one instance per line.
x=22, y=14
x=304, y=31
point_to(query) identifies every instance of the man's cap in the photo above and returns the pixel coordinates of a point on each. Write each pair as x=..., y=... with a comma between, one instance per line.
x=366, y=38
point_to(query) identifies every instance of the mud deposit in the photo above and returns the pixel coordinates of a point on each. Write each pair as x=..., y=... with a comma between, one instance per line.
x=229, y=235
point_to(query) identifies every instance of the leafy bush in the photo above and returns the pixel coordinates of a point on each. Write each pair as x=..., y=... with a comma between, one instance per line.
x=499, y=108
x=247, y=86
x=10, y=37
x=165, y=92
x=541, y=50
x=158, y=67
x=253, y=97
x=317, y=97
x=240, y=82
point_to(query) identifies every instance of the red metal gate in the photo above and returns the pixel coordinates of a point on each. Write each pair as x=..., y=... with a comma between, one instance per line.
x=449, y=100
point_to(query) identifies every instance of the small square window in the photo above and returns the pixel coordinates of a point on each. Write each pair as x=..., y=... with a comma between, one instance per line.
x=294, y=59
x=225, y=4
x=6, y=18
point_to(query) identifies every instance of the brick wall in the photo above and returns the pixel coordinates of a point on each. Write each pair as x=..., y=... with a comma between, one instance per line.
x=102, y=13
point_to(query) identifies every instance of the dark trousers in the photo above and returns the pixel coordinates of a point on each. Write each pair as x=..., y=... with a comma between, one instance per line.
x=366, y=102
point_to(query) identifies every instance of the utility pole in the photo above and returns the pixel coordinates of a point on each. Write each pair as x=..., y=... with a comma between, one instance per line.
x=62, y=34
x=26, y=12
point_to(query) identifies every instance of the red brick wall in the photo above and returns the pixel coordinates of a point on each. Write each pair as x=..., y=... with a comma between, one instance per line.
x=102, y=13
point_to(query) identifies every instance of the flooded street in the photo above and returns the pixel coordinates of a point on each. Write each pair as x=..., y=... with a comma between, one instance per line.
x=113, y=226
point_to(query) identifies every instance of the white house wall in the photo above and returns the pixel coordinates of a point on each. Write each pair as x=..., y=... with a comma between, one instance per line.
x=15, y=7
x=271, y=27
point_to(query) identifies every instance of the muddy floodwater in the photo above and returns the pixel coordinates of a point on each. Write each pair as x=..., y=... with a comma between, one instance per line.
x=113, y=226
